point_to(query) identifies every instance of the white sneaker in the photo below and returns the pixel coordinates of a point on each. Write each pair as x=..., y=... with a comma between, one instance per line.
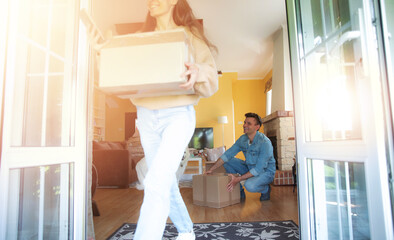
x=186, y=236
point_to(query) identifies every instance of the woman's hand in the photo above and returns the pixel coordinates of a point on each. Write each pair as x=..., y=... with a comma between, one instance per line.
x=96, y=40
x=191, y=73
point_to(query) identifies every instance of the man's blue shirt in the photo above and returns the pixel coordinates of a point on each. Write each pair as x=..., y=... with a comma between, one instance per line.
x=259, y=155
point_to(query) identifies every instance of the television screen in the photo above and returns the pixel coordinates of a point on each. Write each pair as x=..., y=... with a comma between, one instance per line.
x=202, y=138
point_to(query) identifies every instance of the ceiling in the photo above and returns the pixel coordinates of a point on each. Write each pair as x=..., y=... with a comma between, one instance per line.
x=241, y=29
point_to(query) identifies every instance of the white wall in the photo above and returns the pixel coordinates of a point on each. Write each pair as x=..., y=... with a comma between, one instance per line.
x=282, y=97
x=106, y=13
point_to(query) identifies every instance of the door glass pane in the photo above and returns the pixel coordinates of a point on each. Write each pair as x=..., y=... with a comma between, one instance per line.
x=339, y=206
x=58, y=28
x=334, y=67
x=54, y=124
x=44, y=73
x=41, y=202
x=389, y=9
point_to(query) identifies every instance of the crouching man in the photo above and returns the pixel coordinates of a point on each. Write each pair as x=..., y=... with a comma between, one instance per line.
x=259, y=167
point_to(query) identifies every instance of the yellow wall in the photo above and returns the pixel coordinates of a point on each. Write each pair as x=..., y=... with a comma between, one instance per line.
x=249, y=96
x=220, y=104
x=245, y=95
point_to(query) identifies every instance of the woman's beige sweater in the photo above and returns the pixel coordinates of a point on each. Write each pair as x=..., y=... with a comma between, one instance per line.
x=205, y=86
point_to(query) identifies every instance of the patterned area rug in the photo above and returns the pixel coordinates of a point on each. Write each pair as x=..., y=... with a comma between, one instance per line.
x=224, y=231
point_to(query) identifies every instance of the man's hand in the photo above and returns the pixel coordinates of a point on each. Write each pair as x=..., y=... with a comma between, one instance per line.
x=217, y=164
x=233, y=182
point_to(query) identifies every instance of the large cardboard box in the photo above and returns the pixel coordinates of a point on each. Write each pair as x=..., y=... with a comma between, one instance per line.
x=211, y=191
x=143, y=64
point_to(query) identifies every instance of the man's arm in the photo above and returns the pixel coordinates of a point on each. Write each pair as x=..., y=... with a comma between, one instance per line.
x=231, y=152
x=234, y=179
x=217, y=164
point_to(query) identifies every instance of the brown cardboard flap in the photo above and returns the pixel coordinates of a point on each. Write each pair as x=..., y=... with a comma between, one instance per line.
x=220, y=174
x=155, y=93
x=158, y=37
x=147, y=90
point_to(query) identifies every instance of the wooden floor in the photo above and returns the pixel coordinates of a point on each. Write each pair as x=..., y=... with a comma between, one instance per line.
x=118, y=206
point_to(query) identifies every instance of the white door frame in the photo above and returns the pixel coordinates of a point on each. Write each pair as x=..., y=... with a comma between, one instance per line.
x=371, y=150
x=16, y=157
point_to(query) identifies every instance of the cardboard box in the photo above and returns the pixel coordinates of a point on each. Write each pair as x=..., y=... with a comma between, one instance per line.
x=143, y=64
x=211, y=191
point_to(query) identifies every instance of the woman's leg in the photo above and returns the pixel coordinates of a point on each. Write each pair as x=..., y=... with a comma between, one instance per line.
x=172, y=129
x=178, y=211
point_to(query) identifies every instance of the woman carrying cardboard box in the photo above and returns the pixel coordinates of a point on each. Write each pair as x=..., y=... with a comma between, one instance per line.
x=166, y=123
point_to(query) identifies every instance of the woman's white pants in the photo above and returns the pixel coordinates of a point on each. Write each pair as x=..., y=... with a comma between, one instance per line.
x=165, y=134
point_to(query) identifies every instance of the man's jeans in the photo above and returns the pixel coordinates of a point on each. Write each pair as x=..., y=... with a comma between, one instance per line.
x=254, y=184
x=165, y=133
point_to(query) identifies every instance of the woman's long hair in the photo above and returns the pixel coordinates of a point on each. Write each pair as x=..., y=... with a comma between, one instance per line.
x=183, y=16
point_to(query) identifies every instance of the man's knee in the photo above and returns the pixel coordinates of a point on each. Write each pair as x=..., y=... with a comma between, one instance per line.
x=230, y=166
x=257, y=184
x=235, y=165
x=251, y=187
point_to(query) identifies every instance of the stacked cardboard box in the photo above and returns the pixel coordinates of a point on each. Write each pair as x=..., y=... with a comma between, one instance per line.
x=145, y=64
x=210, y=190
x=142, y=64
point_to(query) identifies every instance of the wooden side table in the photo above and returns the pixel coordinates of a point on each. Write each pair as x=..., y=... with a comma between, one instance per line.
x=199, y=160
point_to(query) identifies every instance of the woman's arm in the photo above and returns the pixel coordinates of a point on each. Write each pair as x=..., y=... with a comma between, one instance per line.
x=206, y=82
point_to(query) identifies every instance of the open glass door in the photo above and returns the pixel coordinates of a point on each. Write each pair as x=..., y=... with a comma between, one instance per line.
x=343, y=134
x=44, y=131
x=387, y=30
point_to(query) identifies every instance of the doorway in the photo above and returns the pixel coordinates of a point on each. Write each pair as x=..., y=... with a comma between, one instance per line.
x=244, y=214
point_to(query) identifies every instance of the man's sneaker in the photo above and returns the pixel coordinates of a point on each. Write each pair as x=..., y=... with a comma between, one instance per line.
x=186, y=236
x=242, y=194
x=266, y=196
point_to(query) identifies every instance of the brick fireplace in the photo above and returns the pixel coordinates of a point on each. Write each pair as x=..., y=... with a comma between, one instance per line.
x=279, y=128
x=279, y=122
